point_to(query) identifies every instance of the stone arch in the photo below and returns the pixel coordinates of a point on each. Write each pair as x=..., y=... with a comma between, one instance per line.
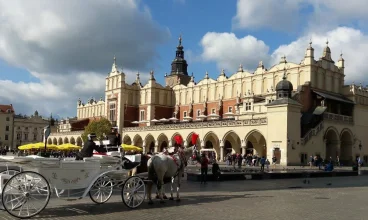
x=49, y=141
x=231, y=142
x=54, y=141
x=79, y=141
x=60, y=141
x=172, y=138
x=149, y=141
x=138, y=141
x=72, y=140
x=331, y=138
x=163, y=142
x=189, y=141
x=66, y=140
x=211, y=138
x=255, y=144
x=127, y=140
x=346, y=146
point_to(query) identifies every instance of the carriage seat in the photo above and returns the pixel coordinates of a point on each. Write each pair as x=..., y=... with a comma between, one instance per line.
x=128, y=164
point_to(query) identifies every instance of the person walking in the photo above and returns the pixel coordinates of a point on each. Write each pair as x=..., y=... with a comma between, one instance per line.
x=262, y=162
x=204, y=168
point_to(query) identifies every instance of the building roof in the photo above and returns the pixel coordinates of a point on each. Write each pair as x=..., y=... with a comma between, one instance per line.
x=5, y=108
x=283, y=101
x=332, y=96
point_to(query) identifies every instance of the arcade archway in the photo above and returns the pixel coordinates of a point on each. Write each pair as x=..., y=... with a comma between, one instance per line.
x=72, y=140
x=79, y=141
x=60, y=141
x=54, y=141
x=173, y=139
x=138, y=141
x=163, y=142
x=231, y=143
x=346, y=147
x=49, y=141
x=331, y=142
x=66, y=140
x=211, y=140
x=150, y=143
x=255, y=144
x=189, y=141
x=127, y=140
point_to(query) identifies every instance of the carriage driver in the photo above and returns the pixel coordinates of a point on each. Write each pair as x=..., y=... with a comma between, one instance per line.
x=89, y=146
x=114, y=137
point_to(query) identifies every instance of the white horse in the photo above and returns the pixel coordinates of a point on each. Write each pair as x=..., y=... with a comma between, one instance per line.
x=167, y=167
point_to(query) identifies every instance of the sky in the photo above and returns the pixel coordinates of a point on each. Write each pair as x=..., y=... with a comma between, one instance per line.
x=53, y=52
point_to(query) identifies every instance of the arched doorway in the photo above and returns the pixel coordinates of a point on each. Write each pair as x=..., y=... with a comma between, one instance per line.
x=211, y=140
x=127, y=140
x=72, y=140
x=232, y=143
x=150, y=143
x=60, y=141
x=162, y=142
x=256, y=144
x=208, y=145
x=189, y=141
x=54, y=141
x=346, y=147
x=79, y=141
x=331, y=142
x=138, y=141
x=66, y=140
x=49, y=141
x=173, y=142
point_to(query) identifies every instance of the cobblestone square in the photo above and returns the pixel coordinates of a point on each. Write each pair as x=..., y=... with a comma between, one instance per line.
x=324, y=198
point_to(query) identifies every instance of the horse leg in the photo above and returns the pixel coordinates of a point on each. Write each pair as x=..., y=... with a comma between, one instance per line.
x=149, y=191
x=160, y=184
x=172, y=188
x=178, y=185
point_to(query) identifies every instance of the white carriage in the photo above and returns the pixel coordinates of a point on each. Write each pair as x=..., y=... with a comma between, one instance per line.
x=26, y=193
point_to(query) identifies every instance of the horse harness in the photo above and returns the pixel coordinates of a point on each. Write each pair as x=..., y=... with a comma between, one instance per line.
x=183, y=161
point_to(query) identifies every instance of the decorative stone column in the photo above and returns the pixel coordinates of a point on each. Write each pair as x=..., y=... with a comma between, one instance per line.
x=243, y=147
x=203, y=144
x=170, y=144
x=144, y=147
x=221, y=151
x=185, y=144
x=156, y=146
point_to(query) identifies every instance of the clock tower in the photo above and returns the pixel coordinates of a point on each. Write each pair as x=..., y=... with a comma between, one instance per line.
x=179, y=68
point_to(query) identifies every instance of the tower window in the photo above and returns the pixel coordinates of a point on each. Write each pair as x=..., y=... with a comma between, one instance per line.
x=230, y=109
x=141, y=116
x=184, y=114
x=198, y=112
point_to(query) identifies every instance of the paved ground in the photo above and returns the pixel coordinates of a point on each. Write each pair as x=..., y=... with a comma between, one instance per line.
x=324, y=198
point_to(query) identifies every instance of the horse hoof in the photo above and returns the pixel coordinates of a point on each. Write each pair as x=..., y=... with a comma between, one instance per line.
x=165, y=197
x=162, y=201
x=150, y=202
x=178, y=200
x=171, y=198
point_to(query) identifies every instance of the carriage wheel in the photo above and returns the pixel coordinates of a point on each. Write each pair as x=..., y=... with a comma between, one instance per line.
x=133, y=192
x=26, y=194
x=101, y=190
x=10, y=172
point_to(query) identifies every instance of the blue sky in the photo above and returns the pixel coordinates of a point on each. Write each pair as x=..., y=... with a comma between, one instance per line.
x=53, y=52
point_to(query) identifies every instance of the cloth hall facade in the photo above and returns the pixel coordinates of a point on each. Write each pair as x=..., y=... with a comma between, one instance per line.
x=291, y=110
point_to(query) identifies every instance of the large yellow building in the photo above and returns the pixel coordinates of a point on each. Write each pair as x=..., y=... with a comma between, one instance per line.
x=291, y=110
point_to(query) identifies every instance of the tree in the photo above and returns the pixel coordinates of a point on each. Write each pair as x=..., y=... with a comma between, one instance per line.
x=100, y=127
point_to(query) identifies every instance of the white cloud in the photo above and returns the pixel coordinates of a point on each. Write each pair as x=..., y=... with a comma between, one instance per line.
x=228, y=51
x=285, y=15
x=69, y=47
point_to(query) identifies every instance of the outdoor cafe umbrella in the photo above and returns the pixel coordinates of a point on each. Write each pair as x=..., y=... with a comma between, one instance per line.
x=127, y=147
x=68, y=147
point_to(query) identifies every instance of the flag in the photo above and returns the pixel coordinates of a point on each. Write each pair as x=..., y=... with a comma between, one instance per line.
x=194, y=138
x=178, y=139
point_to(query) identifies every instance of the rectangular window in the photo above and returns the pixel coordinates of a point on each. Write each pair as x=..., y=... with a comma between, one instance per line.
x=7, y=128
x=7, y=119
x=198, y=112
x=35, y=137
x=213, y=111
x=230, y=109
x=184, y=114
x=26, y=137
x=141, y=116
x=112, y=111
x=6, y=137
x=19, y=136
x=248, y=106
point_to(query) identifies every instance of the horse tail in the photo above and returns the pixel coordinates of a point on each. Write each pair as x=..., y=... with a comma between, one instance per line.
x=151, y=169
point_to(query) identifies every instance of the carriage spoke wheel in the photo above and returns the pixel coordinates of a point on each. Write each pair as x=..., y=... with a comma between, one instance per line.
x=26, y=194
x=101, y=190
x=133, y=192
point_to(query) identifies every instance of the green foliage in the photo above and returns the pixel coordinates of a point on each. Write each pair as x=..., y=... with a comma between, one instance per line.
x=103, y=126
